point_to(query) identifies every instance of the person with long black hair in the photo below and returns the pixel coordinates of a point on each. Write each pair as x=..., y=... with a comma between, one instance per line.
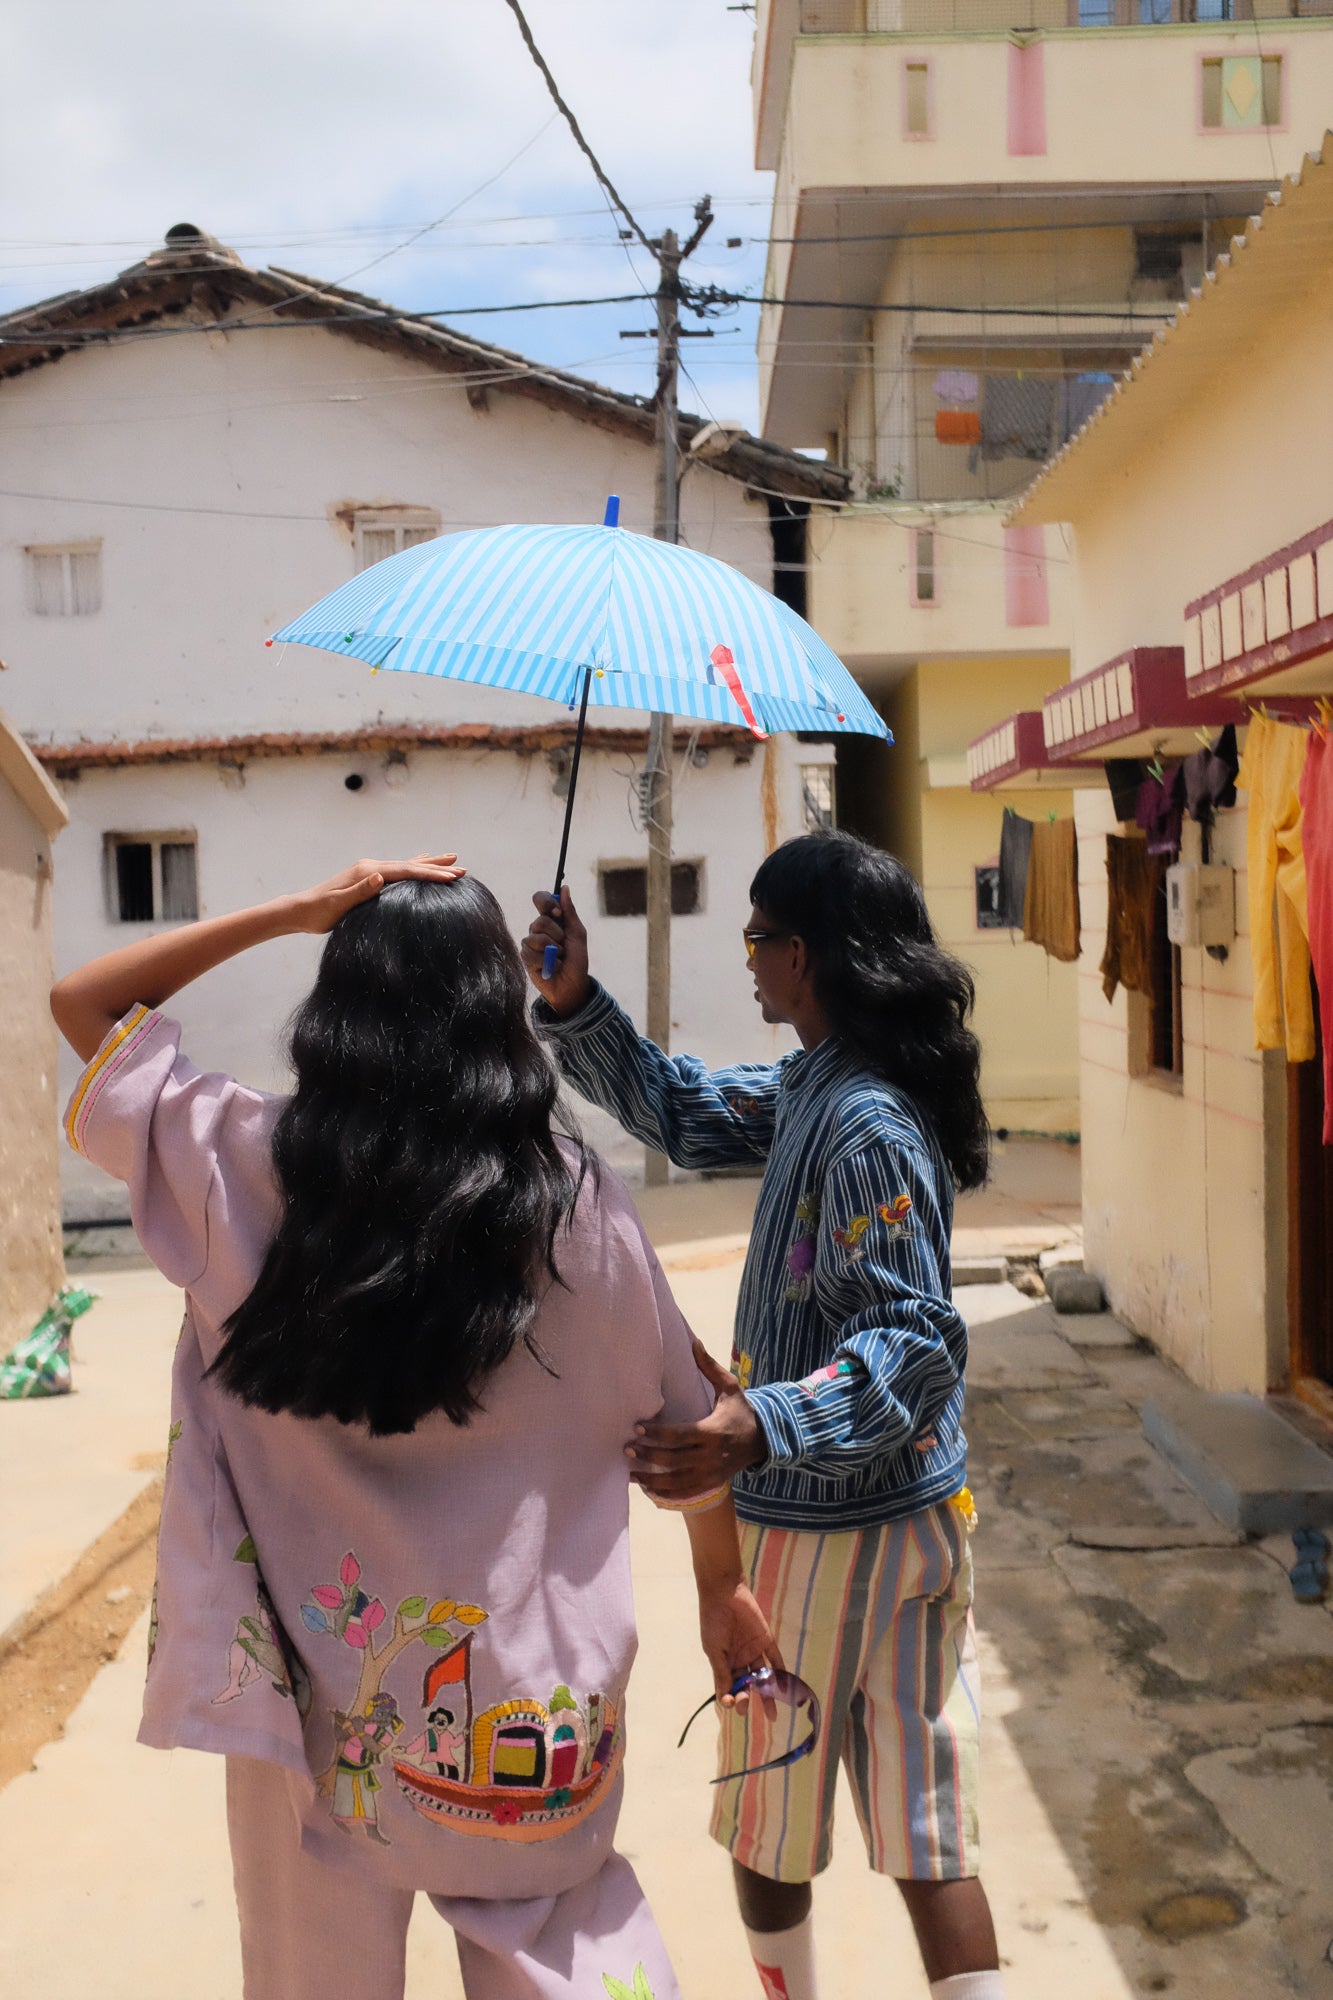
x=840, y=1422
x=393, y=1575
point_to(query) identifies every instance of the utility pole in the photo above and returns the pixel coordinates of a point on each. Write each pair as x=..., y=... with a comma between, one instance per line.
x=657, y=772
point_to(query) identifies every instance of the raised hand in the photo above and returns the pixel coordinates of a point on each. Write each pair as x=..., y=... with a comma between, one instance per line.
x=318, y=910
x=558, y=924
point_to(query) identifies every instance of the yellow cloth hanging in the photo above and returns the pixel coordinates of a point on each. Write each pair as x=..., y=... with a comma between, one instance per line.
x=1270, y=771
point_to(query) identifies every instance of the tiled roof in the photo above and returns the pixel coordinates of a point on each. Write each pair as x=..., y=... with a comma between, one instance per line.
x=194, y=276
x=525, y=740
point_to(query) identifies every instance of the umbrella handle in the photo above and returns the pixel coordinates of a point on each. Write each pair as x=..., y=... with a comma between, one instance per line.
x=551, y=955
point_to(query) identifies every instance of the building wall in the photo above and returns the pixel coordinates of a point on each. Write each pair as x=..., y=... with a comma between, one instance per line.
x=1184, y=1203
x=1025, y=1012
x=30, y=1251
x=1240, y=470
x=220, y=470
x=1118, y=108
x=290, y=822
x=1185, y=1197
x=919, y=807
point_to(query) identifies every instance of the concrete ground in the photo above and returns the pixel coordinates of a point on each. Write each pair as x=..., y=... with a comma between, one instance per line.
x=1158, y=1751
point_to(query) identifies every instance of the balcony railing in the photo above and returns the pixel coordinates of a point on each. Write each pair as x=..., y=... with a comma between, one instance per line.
x=959, y=17
x=971, y=434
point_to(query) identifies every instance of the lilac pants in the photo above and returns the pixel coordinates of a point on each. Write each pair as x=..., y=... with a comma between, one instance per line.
x=308, y=1931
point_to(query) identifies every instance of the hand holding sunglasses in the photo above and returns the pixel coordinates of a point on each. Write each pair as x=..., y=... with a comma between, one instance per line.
x=786, y=1703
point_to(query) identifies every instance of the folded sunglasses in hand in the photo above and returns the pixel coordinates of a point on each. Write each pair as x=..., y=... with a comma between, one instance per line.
x=785, y=1703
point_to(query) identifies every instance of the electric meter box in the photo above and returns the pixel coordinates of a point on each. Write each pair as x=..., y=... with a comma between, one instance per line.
x=1200, y=903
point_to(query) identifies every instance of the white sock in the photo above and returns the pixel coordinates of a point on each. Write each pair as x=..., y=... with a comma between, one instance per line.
x=969, y=1986
x=785, y=1961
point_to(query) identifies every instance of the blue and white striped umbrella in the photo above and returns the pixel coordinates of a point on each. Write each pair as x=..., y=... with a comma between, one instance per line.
x=540, y=609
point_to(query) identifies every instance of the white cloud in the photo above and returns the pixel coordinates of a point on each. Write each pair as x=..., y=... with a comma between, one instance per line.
x=300, y=130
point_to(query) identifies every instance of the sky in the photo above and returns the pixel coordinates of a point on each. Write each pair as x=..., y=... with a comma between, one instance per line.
x=320, y=135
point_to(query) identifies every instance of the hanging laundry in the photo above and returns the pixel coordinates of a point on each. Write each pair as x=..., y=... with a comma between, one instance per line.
x=957, y=427
x=956, y=385
x=1015, y=854
x=1316, y=793
x=1270, y=771
x=1210, y=777
x=1160, y=810
x=1050, y=906
x=1017, y=413
x=1124, y=775
x=1080, y=397
x=1134, y=881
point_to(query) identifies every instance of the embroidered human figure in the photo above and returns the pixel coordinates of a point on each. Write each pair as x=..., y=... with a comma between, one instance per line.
x=256, y=1653
x=362, y=1742
x=440, y=1747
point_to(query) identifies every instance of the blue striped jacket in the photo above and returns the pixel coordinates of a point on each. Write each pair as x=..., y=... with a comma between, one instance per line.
x=848, y=1345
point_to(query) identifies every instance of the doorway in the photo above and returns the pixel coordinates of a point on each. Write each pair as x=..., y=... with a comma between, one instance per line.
x=1309, y=1234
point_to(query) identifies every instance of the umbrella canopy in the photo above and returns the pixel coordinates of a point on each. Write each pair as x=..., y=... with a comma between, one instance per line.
x=560, y=611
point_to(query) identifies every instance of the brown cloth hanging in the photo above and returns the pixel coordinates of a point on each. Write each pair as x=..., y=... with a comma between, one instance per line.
x=1050, y=906
x=1133, y=883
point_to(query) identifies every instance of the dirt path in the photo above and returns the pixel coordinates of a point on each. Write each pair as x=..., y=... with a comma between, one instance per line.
x=47, y=1666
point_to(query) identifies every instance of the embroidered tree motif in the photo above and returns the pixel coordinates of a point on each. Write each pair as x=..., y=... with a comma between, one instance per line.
x=618, y=1990
x=344, y=1611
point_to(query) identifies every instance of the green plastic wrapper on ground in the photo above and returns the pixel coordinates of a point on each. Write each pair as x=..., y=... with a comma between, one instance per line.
x=39, y=1365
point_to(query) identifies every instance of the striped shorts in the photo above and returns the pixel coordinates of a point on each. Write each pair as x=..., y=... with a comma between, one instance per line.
x=878, y=1621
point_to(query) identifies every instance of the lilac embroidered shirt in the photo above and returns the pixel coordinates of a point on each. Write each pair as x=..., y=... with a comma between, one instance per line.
x=437, y=1628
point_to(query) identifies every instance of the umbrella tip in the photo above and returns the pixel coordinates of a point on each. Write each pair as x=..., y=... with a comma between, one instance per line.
x=611, y=518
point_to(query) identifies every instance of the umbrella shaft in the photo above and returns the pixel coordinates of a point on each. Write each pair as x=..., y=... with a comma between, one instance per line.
x=573, y=779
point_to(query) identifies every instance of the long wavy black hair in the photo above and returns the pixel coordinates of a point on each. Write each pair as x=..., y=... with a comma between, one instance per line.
x=890, y=990
x=422, y=1186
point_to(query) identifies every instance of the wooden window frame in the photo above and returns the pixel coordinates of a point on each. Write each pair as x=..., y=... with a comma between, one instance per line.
x=155, y=840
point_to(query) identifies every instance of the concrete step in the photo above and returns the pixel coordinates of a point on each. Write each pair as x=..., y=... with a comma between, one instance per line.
x=1245, y=1462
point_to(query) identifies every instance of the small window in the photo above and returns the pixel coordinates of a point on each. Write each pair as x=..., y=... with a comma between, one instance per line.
x=623, y=891
x=1215, y=10
x=1165, y=1035
x=924, y=581
x=1240, y=93
x=1159, y=253
x=65, y=581
x=818, y=798
x=151, y=878
x=1154, y=13
x=987, y=891
x=916, y=100
x=387, y=532
x=1096, y=13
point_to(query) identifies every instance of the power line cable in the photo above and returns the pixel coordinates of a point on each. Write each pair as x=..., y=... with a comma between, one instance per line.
x=440, y=220
x=603, y=177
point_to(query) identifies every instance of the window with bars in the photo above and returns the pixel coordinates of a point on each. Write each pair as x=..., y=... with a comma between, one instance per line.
x=64, y=579
x=384, y=533
x=819, y=803
x=622, y=889
x=151, y=878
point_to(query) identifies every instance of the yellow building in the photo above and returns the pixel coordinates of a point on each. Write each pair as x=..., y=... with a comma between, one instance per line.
x=1198, y=507
x=975, y=227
